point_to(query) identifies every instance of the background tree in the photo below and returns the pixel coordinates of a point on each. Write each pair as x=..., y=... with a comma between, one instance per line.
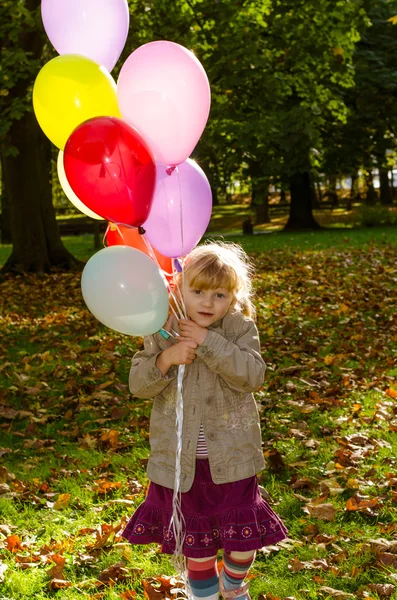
x=366, y=141
x=25, y=151
x=280, y=72
x=277, y=72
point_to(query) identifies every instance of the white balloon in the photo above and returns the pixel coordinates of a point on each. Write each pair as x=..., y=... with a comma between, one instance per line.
x=69, y=193
x=125, y=290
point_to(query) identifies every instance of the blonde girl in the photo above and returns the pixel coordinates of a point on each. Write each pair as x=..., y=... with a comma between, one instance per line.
x=221, y=439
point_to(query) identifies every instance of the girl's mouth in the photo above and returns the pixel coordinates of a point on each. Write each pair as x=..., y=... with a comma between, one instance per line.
x=205, y=314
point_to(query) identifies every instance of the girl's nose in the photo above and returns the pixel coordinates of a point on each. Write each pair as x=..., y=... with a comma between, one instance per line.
x=206, y=301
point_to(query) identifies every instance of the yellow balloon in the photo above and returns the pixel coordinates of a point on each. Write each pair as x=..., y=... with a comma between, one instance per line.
x=70, y=89
x=69, y=193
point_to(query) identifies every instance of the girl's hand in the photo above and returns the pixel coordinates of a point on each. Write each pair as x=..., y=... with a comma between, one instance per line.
x=181, y=353
x=189, y=330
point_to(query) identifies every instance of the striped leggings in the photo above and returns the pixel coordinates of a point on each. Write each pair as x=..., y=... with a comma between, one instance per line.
x=204, y=578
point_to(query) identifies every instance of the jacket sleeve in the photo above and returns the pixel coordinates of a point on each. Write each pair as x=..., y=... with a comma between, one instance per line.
x=146, y=379
x=239, y=363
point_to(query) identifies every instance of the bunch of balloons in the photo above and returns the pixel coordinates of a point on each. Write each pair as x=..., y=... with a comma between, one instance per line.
x=124, y=153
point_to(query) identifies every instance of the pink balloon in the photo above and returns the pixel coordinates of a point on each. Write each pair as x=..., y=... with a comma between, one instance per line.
x=181, y=209
x=96, y=29
x=163, y=91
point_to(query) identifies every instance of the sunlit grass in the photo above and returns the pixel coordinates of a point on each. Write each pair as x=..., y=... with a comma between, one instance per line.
x=341, y=229
x=308, y=286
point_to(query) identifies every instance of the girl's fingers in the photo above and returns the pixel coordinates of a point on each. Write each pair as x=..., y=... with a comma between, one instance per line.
x=192, y=343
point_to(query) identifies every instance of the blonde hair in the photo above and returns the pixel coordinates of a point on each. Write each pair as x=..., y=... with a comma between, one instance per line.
x=221, y=265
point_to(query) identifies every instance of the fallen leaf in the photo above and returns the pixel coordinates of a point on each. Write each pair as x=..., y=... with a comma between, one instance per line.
x=13, y=543
x=62, y=501
x=114, y=574
x=382, y=589
x=59, y=584
x=324, y=512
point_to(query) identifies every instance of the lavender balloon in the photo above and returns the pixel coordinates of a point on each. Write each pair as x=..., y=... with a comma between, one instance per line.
x=97, y=29
x=181, y=209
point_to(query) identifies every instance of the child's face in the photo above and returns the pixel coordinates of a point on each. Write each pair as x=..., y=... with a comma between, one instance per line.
x=205, y=307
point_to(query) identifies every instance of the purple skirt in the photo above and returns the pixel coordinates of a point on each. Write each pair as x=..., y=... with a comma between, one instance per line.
x=232, y=516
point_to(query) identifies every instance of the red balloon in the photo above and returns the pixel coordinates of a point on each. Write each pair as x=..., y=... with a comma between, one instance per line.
x=111, y=170
x=129, y=236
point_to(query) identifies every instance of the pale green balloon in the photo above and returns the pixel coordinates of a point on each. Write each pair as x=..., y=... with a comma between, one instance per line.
x=125, y=290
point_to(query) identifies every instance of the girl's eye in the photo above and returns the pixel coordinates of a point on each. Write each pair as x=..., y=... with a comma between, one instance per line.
x=220, y=295
x=197, y=292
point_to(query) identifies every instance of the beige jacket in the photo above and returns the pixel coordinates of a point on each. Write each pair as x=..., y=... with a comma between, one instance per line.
x=217, y=391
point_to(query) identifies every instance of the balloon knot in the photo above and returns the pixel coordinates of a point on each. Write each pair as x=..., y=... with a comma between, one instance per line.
x=141, y=230
x=170, y=169
x=112, y=226
x=177, y=265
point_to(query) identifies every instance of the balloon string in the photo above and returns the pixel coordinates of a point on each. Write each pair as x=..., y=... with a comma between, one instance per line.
x=182, y=259
x=177, y=520
x=105, y=234
x=112, y=226
x=154, y=257
x=178, y=290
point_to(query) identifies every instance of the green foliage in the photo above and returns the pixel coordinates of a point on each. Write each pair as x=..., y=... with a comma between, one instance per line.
x=368, y=139
x=18, y=67
x=278, y=71
x=296, y=84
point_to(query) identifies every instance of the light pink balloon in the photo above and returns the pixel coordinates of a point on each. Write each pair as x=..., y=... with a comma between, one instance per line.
x=96, y=29
x=181, y=209
x=163, y=91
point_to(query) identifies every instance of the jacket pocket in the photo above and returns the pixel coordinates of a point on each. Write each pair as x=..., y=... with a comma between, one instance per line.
x=165, y=402
x=231, y=400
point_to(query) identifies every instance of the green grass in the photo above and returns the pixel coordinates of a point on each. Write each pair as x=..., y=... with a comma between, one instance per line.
x=340, y=229
x=325, y=304
x=82, y=246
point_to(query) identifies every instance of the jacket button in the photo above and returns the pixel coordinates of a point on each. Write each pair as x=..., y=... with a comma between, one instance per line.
x=219, y=469
x=211, y=436
x=208, y=401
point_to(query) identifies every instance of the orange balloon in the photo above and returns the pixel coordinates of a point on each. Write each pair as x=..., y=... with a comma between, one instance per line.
x=129, y=236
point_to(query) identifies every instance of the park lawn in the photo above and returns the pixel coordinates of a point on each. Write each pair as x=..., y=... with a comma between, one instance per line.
x=74, y=443
x=340, y=227
x=82, y=246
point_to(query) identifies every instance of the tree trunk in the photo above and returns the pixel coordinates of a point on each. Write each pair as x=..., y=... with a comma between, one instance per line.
x=354, y=195
x=260, y=200
x=5, y=231
x=371, y=193
x=301, y=215
x=332, y=194
x=37, y=244
x=259, y=193
x=385, y=191
x=215, y=196
x=319, y=191
x=315, y=202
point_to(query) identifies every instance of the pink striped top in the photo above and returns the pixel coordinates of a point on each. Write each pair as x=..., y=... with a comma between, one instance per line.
x=201, y=451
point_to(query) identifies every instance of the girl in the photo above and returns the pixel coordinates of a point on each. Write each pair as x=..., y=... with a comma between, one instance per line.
x=221, y=440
